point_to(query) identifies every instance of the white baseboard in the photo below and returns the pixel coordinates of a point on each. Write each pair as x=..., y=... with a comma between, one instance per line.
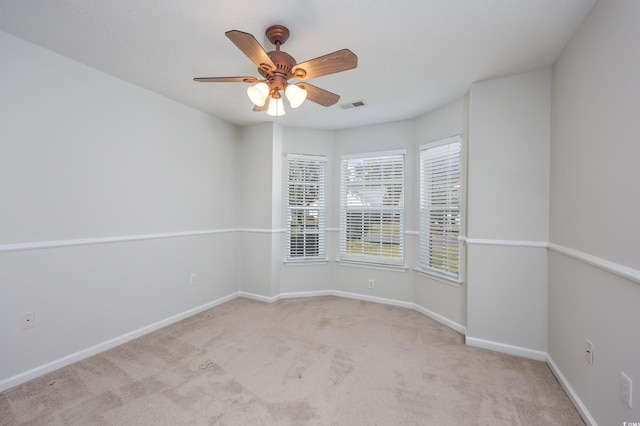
x=442, y=320
x=573, y=396
x=345, y=294
x=381, y=300
x=485, y=344
x=299, y=294
x=258, y=297
x=507, y=349
x=393, y=302
x=21, y=378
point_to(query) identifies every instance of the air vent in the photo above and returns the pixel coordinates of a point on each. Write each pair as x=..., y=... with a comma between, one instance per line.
x=353, y=105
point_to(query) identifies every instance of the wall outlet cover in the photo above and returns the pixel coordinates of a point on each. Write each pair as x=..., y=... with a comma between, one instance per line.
x=28, y=320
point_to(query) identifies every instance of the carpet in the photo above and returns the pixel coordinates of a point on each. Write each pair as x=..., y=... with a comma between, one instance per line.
x=309, y=361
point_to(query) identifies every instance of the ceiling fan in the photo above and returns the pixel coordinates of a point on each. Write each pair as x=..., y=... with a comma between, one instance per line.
x=278, y=67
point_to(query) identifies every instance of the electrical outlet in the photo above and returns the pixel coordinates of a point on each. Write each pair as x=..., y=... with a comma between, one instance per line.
x=589, y=351
x=626, y=388
x=372, y=284
x=193, y=278
x=28, y=320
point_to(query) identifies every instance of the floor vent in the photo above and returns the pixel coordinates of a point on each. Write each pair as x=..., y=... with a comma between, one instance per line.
x=353, y=105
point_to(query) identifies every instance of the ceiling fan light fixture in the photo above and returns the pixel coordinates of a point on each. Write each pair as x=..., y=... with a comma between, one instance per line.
x=258, y=93
x=296, y=95
x=278, y=67
x=276, y=107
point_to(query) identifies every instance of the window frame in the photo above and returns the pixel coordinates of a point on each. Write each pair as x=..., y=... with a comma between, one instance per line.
x=321, y=184
x=387, y=213
x=448, y=240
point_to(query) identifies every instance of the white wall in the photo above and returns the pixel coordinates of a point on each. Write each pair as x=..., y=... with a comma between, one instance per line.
x=594, y=269
x=308, y=277
x=112, y=196
x=131, y=189
x=389, y=284
x=278, y=215
x=440, y=300
x=507, y=213
x=254, y=172
x=439, y=297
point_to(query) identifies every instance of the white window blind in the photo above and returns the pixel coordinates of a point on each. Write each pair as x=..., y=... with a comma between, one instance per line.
x=372, y=208
x=305, y=207
x=440, y=207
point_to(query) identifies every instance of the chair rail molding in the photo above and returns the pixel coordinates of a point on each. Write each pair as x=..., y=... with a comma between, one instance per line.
x=39, y=245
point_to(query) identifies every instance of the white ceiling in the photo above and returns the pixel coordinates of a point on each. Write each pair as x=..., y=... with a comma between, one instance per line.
x=413, y=55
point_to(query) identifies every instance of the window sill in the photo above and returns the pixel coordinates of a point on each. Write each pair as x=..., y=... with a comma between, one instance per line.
x=305, y=262
x=440, y=278
x=366, y=265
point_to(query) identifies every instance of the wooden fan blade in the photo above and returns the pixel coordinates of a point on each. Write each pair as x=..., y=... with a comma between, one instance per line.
x=318, y=95
x=226, y=79
x=250, y=47
x=341, y=60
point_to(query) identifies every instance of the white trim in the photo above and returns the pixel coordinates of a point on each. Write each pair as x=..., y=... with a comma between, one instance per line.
x=507, y=349
x=374, y=299
x=454, y=282
x=21, y=378
x=442, y=320
x=623, y=271
x=39, y=245
x=258, y=297
x=263, y=230
x=305, y=262
x=573, y=396
x=368, y=265
x=347, y=295
x=337, y=293
x=440, y=142
x=503, y=243
x=374, y=154
x=384, y=301
x=314, y=157
x=606, y=265
x=301, y=294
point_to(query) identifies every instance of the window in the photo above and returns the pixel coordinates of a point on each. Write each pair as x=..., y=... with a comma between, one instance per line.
x=305, y=207
x=372, y=208
x=440, y=207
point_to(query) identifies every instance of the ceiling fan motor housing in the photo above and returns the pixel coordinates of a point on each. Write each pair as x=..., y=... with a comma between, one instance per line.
x=284, y=65
x=277, y=78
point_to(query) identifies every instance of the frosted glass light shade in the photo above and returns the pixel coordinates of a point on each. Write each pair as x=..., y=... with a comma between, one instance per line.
x=258, y=93
x=296, y=95
x=276, y=107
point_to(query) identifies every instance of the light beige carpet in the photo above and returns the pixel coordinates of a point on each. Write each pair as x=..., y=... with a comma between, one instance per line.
x=312, y=361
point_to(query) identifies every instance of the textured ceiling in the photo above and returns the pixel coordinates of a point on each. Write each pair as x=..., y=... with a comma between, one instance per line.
x=413, y=55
